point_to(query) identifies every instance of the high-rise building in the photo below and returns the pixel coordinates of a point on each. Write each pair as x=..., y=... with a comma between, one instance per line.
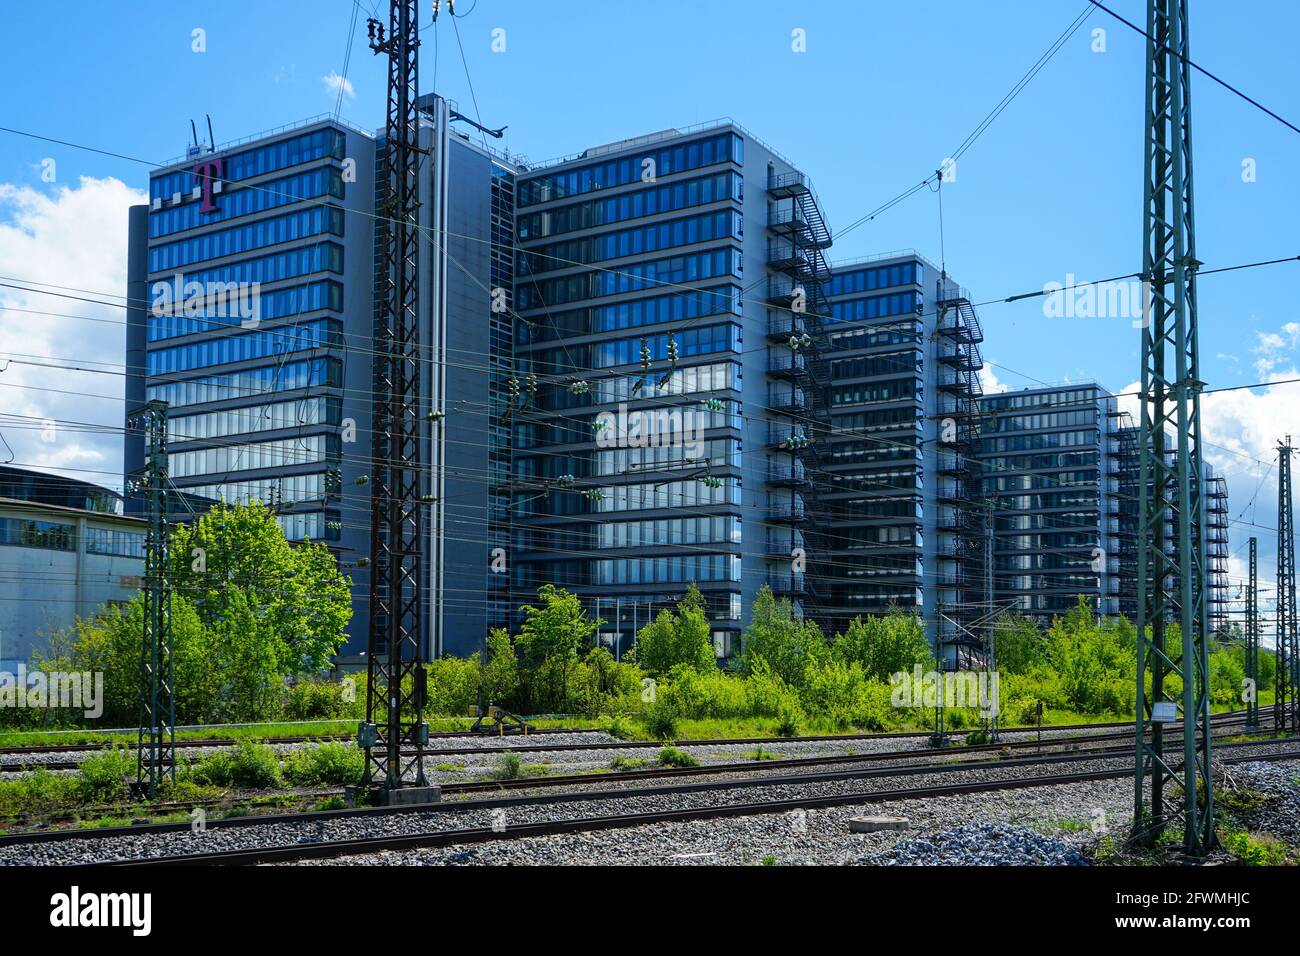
x=637, y=372
x=1064, y=465
x=903, y=360
x=1049, y=469
x=253, y=276
x=669, y=289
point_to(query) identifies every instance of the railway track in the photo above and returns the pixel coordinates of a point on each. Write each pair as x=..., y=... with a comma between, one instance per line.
x=462, y=807
x=586, y=779
x=1227, y=720
x=231, y=741
x=326, y=849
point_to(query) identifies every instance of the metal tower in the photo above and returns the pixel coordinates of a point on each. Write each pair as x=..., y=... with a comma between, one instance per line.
x=395, y=692
x=1286, y=703
x=1252, y=639
x=156, y=740
x=1171, y=581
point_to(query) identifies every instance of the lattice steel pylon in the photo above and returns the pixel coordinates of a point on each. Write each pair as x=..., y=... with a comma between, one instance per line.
x=1286, y=702
x=1171, y=582
x=1252, y=637
x=394, y=734
x=156, y=739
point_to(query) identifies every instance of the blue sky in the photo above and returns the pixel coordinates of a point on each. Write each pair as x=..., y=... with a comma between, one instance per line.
x=882, y=94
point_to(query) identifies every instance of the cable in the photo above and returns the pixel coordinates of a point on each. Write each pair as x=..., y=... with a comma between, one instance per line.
x=1197, y=67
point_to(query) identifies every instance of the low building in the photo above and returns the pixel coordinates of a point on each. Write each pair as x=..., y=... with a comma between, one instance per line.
x=65, y=551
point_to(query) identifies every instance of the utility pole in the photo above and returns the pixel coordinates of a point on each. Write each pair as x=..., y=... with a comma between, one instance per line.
x=156, y=738
x=394, y=734
x=1171, y=583
x=1286, y=703
x=1252, y=638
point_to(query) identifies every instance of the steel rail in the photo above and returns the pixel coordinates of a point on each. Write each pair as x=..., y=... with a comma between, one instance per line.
x=437, y=838
x=588, y=796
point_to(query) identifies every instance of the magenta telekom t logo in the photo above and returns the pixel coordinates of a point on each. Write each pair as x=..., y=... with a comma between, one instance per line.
x=206, y=171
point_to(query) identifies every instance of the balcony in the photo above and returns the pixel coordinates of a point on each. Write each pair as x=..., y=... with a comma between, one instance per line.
x=788, y=403
x=782, y=325
x=788, y=476
x=786, y=185
x=787, y=365
x=785, y=256
x=784, y=436
x=789, y=585
x=786, y=512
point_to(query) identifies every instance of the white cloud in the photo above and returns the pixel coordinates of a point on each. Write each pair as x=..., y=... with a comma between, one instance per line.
x=75, y=237
x=1273, y=347
x=989, y=381
x=333, y=83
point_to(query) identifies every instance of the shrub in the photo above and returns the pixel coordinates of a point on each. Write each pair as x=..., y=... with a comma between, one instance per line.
x=788, y=724
x=247, y=764
x=104, y=776
x=675, y=757
x=327, y=764
x=509, y=767
x=661, y=721
x=315, y=700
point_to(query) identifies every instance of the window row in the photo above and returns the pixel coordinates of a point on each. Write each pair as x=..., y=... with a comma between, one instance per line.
x=628, y=205
x=31, y=533
x=690, y=380
x=871, y=365
x=716, y=453
x=322, y=257
x=288, y=488
x=313, y=221
x=317, y=334
x=712, y=529
x=255, y=381
x=641, y=240
x=855, y=310
x=907, y=388
x=670, y=494
x=270, y=306
x=634, y=278
x=693, y=341
x=876, y=277
x=643, y=166
x=109, y=541
x=1068, y=396
x=678, y=569
x=254, y=418
x=314, y=184
x=254, y=456
x=257, y=161
x=1046, y=440
x=1015, y=423
x=895, y=333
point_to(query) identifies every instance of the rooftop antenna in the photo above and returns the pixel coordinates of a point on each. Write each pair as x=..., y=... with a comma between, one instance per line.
x=212, y=140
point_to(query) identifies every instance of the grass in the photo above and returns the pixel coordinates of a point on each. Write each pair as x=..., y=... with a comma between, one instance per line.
x=1254, y=849
x=758, y=753
x=259, y=731
x=448, y=767
x=629, y=763
x=512, y=767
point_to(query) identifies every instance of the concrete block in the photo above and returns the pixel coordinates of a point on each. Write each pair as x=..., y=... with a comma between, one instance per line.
x=872, y=824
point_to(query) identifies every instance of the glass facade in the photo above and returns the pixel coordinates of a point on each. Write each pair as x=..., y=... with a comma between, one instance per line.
x=278, y=216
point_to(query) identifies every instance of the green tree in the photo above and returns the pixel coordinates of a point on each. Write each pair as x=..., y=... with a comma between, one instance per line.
x=500, y=678
x=885, y=645
x=553, y=634
x=684, y=637
x=780, y=640
x=235, y=565
x=1019, y=644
